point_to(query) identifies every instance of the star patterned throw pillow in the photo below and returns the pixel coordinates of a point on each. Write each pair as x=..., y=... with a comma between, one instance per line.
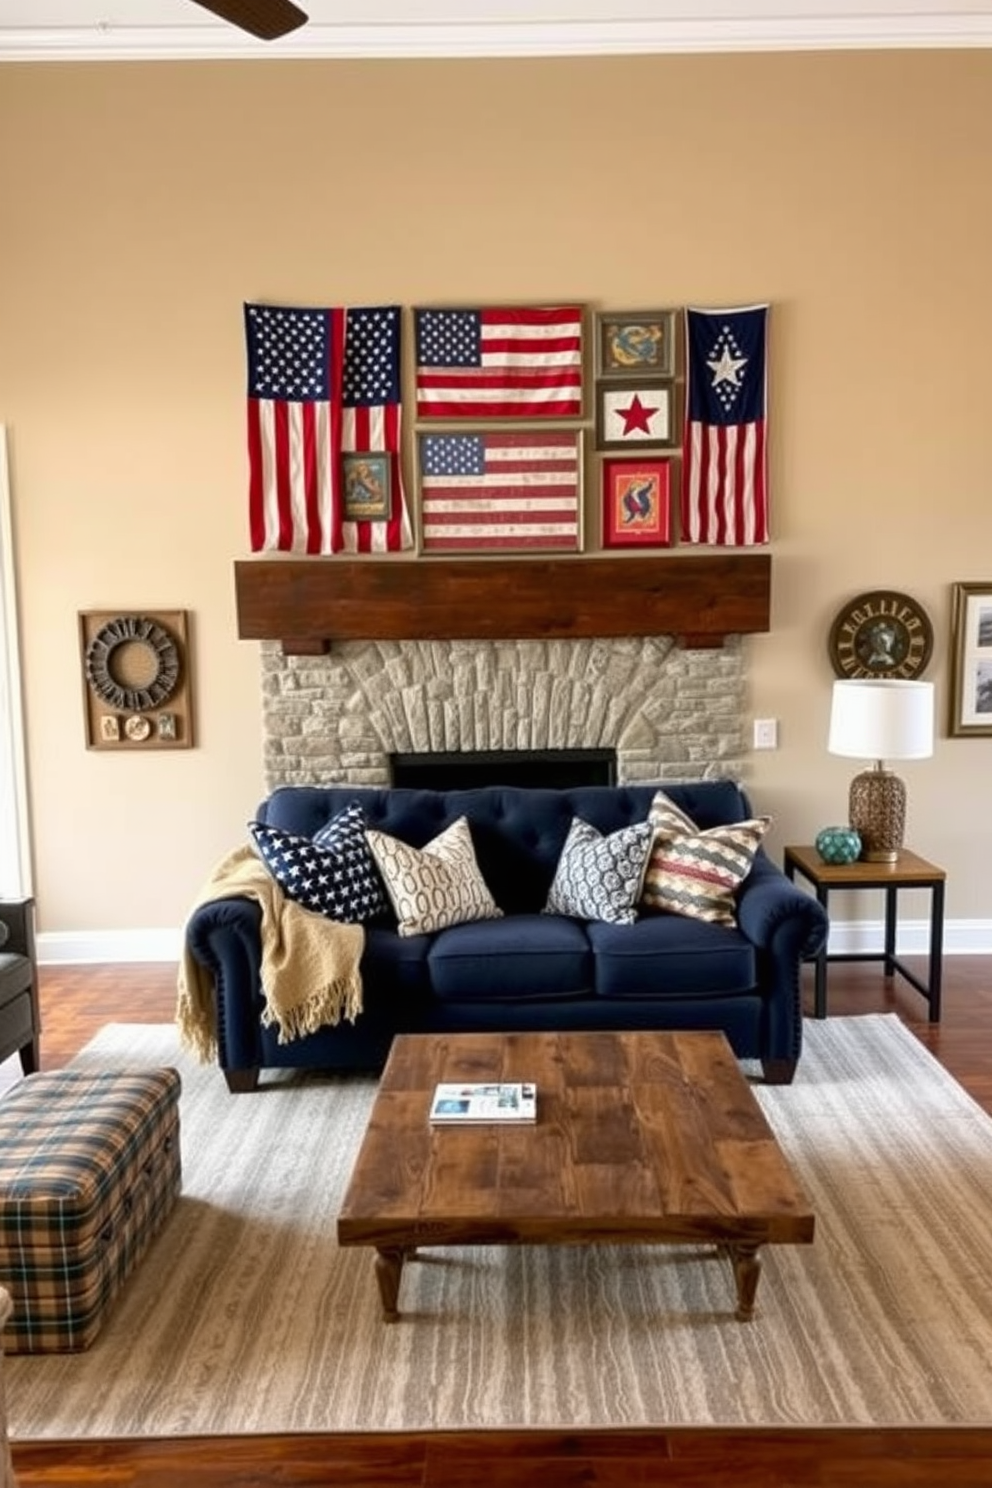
x=597, y=877
x=334, y=874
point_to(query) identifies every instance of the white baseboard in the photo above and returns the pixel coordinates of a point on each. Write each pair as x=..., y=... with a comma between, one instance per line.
x=82, y=947
x=79, y=947
x=961, y=937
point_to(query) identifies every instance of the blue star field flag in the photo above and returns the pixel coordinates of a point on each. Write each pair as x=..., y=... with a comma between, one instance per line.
x=725, y=444
x=322, y=383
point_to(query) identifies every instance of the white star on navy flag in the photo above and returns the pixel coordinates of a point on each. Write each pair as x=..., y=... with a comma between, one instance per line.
x=371, y=357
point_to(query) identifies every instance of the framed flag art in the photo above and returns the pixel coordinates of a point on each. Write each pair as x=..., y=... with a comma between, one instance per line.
x=488, y=490
x=507, y=362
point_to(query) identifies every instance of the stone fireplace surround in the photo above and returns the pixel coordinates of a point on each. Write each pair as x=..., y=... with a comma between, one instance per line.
x=669, y=712
x=364, y=659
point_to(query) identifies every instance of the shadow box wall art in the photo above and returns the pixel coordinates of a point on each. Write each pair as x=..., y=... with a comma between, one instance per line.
x=636, y=497
x=137, y=691
x=488, y=490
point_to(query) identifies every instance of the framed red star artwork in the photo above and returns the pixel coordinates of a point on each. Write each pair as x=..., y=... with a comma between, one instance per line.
x=635, y=413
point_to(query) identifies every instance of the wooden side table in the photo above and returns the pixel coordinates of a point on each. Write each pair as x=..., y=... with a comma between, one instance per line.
x=908, y=872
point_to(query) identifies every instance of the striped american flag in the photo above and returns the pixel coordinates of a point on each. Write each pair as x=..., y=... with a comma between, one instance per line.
x=502, y=363
x=724, y=448
x=500, y=491
x=321, y=382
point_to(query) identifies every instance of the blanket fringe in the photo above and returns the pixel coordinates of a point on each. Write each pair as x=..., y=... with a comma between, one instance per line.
x=324, y=1008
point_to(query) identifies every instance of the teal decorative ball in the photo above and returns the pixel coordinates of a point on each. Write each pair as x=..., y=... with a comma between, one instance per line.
x=839, y=845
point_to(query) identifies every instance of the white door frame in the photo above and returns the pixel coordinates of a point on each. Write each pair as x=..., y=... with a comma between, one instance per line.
x=15, y=849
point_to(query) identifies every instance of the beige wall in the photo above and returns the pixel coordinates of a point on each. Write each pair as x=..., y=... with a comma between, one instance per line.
x=143, y=203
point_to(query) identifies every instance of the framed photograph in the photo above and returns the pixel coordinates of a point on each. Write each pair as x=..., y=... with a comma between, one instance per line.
x=636, y=499
x=971, y=659
x=635, y=413
x=500, y=492
x=635, y=343
x=367, y=484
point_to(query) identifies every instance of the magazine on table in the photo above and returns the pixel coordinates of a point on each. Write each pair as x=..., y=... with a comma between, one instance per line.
x=461, y=1103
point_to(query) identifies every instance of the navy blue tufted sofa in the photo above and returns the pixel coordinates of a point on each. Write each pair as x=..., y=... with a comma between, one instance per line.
x=528, y=971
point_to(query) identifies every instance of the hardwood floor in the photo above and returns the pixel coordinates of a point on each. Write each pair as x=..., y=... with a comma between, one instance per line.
x=77, y=1001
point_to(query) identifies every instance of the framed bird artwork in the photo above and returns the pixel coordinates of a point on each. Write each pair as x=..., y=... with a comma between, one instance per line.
x=637, y=498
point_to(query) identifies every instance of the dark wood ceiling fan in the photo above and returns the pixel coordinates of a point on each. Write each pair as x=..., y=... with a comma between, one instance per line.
x=265, y=19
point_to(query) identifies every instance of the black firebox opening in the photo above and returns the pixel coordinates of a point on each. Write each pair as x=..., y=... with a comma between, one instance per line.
x=557, y=769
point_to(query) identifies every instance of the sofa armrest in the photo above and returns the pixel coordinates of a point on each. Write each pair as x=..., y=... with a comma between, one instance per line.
x=777, y=916
x=17, y=933
x=224, y=936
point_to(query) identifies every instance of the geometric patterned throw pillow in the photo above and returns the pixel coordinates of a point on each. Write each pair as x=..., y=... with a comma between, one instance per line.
x=333, y=874
x=696, y=873
x=597, y=877
x=434, y=886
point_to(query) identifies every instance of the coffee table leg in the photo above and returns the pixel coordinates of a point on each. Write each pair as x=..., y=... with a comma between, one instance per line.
x=388, y=1269
x=747, y=1270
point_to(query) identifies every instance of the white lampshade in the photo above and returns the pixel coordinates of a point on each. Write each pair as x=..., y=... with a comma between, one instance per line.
x=887, y=719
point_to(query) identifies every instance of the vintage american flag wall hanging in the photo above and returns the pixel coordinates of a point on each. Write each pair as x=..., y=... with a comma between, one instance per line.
x=522, y=363
x=500, y=491
x=725, y=442
x=322, y=383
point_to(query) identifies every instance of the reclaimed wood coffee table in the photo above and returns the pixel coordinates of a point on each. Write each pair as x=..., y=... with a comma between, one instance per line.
x=640, y=1138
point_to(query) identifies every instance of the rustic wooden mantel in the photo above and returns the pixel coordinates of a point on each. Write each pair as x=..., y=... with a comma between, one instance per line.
x=307, y=603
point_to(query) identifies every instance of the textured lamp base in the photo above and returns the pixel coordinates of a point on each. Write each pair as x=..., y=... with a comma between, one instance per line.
x=877, y=810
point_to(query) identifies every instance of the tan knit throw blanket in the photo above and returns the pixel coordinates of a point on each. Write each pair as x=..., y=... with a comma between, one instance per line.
x=309, y=964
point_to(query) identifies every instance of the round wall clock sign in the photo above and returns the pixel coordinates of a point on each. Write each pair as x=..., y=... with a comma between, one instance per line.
x=882, y=633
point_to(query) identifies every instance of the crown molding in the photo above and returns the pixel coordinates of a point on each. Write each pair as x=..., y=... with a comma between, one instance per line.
x=500, y=38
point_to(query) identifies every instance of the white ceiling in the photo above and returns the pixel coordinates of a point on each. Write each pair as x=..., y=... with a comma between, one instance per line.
x=71, y=30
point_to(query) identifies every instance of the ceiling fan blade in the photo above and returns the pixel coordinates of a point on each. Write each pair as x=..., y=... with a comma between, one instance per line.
x=265, y=19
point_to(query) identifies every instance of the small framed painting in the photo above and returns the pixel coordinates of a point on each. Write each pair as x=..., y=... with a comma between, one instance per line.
x=971, y=659
x=635, y=343
x=635, y=413
x=367, y=486
x=636, y=503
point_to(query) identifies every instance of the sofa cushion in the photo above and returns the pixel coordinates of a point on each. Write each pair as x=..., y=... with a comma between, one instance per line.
x=336, y=877
x=697, y=873
x=599, y=878
x=523, y=958
x=668, y=956
x=434, y=886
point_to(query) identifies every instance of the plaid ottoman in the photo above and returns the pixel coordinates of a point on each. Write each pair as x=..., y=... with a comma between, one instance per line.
x=89, y=1170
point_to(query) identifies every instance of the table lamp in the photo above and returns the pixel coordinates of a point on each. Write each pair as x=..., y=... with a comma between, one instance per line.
x=887, y=719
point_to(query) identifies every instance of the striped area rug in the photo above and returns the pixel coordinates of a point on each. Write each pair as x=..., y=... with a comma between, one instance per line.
x=245, y=1316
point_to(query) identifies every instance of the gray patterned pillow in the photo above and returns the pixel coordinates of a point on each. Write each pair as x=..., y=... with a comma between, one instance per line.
x=434, y=886
x=597, y=877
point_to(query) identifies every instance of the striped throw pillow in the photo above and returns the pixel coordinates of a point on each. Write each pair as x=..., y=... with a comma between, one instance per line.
x=696, y=873
x=665, y=817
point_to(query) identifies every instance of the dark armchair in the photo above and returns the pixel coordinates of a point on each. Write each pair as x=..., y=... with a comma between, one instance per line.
x=20, y=1023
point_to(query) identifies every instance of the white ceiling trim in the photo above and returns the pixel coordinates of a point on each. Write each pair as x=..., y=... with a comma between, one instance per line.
x=124, y=43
